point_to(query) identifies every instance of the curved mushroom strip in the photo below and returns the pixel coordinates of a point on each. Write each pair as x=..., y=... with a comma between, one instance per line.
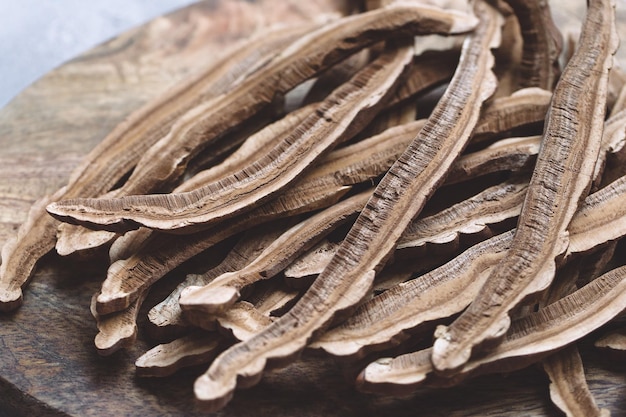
x=511, y=154
x=493, y=205
x=224, y=290
x=400, y=195
x=568, y=386
x=311, y=262
x=523, y=108
x=602, y=213
x=120, y=150
x=167, y=315
x=350, y=105
x=387, y=319
x=529, y=339
x=301, y=60
x=561, y=179
x=79, y=238
x=542, y=43
x=165, y=359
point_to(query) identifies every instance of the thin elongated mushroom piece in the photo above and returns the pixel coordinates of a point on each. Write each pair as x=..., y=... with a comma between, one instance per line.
x=530, y=339
x=522, y=109
x=120, y=150
x=542, y=43
x=613, y=343
x=561, y=179
x=79, y=238
x=355, y=102
x=400, y=195
x=303, y=59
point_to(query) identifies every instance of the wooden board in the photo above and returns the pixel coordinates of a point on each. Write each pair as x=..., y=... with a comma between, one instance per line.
x=48, y=365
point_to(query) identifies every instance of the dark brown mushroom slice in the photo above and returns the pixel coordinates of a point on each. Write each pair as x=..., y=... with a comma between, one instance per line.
x=524, y=109
x=304, y=58
x=542, y=43
x=398, y=198
x=561, y=179
x=530, y=339
x=120, y=150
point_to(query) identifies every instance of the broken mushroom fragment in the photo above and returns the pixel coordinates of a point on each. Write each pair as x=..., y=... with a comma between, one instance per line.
x=561, y=179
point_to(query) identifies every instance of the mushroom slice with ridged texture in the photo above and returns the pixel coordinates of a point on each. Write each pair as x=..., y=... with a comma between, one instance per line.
x=530, y=339
x=542, y=43
x=117, y=330
x=120, y=150
x=568, y=385
x=400, y=195
x=524, y=109
x=79, y=238
x=352, y=104
x=301, y=60
x=561, y=179
x=166, y=317
x=389, y=318
x=224, y=290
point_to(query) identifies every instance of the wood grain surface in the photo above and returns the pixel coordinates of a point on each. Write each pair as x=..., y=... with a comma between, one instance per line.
x=48, y=364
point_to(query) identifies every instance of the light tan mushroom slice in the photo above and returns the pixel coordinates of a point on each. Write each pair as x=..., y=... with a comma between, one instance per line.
x=561, y=179
x=120, y=150
x=603, y=213
x=118, y=330
x=191, y=350
x=542, y=43
x=302, y=59
x=166, y=317
x=493, y=205
x=400, y=195
x=568, y=386
x=73, y=238
x=522, y=109
x=613, y=344
x=334, y=120
x=223, y=291
x=387, y=319
x=530, y=339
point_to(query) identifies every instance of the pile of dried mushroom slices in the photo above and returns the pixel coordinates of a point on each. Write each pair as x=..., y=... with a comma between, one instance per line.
x=407, y=173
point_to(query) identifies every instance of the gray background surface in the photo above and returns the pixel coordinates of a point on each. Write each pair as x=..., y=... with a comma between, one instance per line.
x=39, y=35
